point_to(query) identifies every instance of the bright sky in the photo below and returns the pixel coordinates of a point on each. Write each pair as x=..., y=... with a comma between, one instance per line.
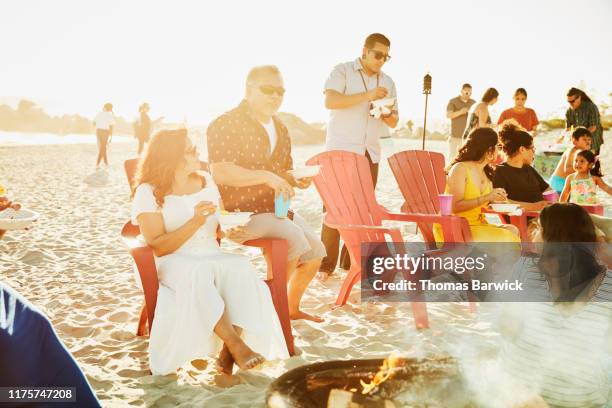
x=188, y=59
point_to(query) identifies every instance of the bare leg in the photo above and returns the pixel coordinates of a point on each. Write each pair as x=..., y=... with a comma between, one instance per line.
x=99, y=156
x=104, y=150
x=225, y=361
x=243, y=355
x=298, y=282
x=298, y=278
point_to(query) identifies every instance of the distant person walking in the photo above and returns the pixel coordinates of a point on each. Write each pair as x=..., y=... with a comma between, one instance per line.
x=583, y=112
x=104, y=123
x=526, y=117
x=479, y=116
x=349, y=91
x=457, y=111
x=144, y=126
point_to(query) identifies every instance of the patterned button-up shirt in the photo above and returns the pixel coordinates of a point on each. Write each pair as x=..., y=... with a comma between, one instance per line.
x=237, y=137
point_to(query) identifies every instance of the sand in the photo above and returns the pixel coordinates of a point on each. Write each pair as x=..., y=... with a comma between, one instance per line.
x=74, y=267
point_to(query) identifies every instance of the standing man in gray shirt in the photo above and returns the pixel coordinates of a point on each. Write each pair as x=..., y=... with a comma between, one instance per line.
x=349, y=91
x=457, y=111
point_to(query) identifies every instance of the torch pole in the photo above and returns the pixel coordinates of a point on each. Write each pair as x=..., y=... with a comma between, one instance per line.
x=425, y=121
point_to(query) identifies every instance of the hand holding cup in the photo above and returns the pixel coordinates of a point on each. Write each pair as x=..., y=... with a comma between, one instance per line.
x=202, y=211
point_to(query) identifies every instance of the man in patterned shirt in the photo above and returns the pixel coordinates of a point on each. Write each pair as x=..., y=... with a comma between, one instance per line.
x=249, y=151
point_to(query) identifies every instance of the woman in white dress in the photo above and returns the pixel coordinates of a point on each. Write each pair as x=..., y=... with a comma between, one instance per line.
x=207, y=298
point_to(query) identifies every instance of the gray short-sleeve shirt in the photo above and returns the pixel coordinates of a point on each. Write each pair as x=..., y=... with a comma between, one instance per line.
x=353, y=129
x=458, y=124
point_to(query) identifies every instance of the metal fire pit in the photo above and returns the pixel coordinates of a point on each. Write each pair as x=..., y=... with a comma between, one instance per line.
x=309, y=386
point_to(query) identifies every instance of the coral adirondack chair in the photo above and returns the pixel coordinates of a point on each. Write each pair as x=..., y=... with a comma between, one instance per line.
x=275, y=249
x=420, y=176
x=345, y=185
x=596, y=209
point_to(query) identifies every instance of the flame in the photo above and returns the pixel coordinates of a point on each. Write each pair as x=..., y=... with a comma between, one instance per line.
x=384, y=373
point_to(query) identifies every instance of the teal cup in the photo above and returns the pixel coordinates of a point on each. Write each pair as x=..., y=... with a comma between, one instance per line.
x=281, y=206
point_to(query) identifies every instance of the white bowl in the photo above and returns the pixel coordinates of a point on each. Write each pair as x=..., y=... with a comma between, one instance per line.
x=17, y=219
x=505, y=208
x=233, y=219
x=306, y=171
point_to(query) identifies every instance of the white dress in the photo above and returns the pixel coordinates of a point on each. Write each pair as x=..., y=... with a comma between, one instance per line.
x=197, y=283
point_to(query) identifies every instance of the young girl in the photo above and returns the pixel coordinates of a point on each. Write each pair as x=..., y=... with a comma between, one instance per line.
x=580, y=187
x=581, y=140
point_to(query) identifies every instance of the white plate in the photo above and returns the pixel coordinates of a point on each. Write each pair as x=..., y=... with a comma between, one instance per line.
x=505, y=208
x=15, y=220
x=233, y=219
x=306, y=171
x=384, y=102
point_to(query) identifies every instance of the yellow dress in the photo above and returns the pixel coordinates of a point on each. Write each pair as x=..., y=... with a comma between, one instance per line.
x=482, y=231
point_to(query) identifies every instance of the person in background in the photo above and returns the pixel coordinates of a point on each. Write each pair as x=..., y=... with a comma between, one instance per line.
x=581, y=186
x=104, y=123
x=521, y=182
x=32, y=354
x=526, y=117
x=349, y=91
x=457, y=111
x=583, y=112
x=249, y=151
x=479, y=116
x=5, y=203
x=581, y=140
x=144, y=126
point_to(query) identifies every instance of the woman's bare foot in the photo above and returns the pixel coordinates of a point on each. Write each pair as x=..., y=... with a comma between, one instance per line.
x=246, y=358
x=299, y=315
x=225, y=361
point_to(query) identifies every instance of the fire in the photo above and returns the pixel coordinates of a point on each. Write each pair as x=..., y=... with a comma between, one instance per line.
x=384, y=373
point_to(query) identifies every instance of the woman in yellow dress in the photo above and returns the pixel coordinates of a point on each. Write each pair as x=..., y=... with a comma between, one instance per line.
x=470, y=181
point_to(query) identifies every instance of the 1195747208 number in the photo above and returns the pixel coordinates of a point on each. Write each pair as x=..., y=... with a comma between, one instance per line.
x=37, y=394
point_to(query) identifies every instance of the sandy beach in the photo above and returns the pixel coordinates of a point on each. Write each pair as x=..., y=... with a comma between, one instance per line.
x=74, y=267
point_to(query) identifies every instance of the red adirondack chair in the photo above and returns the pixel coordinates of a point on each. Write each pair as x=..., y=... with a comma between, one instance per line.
x=275, y=249
x=597, y=209
x=345, y=186
x=420, y=176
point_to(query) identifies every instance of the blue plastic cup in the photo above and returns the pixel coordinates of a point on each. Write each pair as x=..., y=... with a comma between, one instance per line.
x=281, y=206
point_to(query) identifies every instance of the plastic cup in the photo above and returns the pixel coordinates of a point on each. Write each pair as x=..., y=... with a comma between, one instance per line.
x=446, y=204
x=551, y=196
x=281, y=206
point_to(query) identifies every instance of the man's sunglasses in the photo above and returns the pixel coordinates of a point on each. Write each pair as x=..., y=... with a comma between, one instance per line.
x=571, y=102
x=270, y=90
x=380, y=55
